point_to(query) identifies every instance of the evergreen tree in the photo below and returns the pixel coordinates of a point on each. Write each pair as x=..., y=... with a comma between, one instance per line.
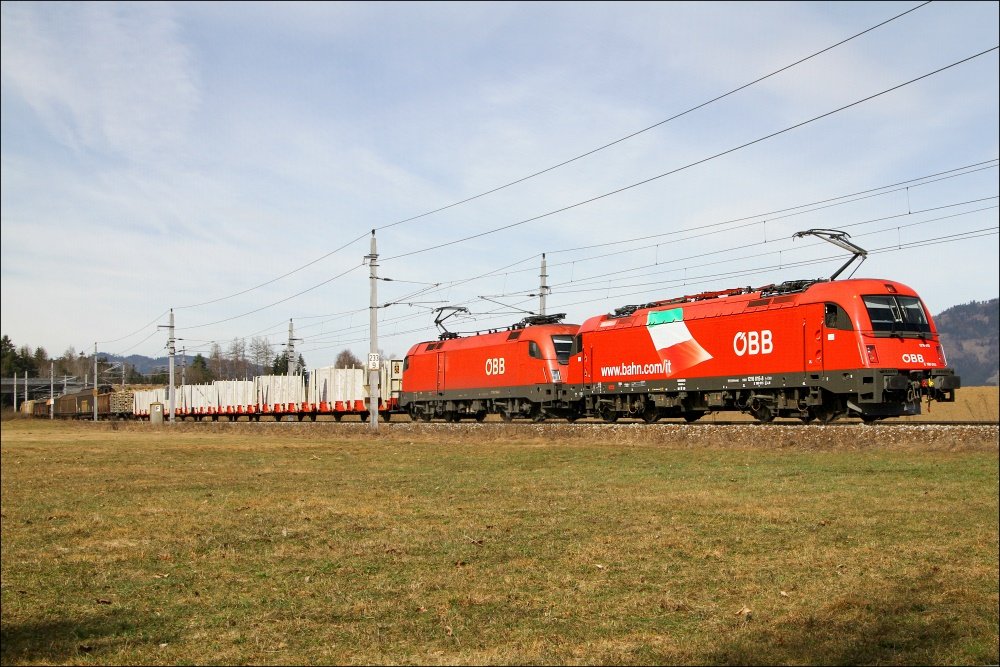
x=199, y=372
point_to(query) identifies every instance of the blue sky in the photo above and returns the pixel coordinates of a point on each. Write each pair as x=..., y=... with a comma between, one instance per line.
x=159, y=156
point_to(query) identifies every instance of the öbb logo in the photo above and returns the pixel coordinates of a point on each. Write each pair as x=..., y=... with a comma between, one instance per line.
x=913, y=358
x=495, y=366
x=752, y=342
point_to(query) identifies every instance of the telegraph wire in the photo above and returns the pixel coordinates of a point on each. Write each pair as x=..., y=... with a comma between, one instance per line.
x=687, y=280
x=582, y=281
x=139, y=330
x=653, y=126
x=692, y=164
x=590, y=152
x=124, y=352
x=696, y=236
x=608, y=277
x=773, y=215
x=270, y=305
x=605, y=276
x=273, y=280
x=700, y=279
x=539, y=173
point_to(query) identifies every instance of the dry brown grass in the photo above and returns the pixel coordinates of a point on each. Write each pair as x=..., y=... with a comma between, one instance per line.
x=429, y=544
x=971, y=404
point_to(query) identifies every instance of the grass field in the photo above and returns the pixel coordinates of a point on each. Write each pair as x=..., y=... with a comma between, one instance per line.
x=500, y=544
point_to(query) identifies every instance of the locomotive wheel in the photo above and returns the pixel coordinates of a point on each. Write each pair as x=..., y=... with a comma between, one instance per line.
x=692, y=416
x=425, y=416
x=364, y=416
x=506, y=415
x=807, y=417
x=337, y=416
x=871, y=419
x=650, y=414
x=764, y=414
x=825, y=414
x=384, y=416
x=481, y=416
x=608, y=414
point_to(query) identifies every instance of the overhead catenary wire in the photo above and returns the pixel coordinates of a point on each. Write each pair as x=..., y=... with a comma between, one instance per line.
x=603, y=277
x=691, y=280
x=697, y=280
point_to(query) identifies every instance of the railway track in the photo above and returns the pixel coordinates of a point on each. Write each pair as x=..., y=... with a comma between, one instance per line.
x=637, y=423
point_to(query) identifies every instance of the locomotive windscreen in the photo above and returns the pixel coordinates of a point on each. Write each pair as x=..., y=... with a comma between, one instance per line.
x=564, y=348
x=897, y=314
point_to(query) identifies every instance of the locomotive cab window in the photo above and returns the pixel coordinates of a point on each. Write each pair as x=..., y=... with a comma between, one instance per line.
x=533, y=350
x=837, y=318
x=896, y=314
x=564, y=348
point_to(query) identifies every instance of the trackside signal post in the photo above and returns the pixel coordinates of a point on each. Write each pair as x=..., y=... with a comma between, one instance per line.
x=374, y=376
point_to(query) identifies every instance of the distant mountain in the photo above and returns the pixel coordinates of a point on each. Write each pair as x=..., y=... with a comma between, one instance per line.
x=969, y=334
x=144, y=365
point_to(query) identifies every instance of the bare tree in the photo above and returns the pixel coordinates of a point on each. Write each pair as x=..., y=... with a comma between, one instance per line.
x=346, y=359
x=216, y=363
x=261, y=354
x=238, y=358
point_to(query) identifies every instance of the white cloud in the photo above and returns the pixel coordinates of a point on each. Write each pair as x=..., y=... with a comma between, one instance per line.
x=101, y=76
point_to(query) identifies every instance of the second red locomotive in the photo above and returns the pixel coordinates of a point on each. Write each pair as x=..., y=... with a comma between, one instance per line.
x=516, y=373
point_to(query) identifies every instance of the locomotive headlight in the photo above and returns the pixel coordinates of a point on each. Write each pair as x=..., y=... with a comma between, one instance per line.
x=872, y=354
x=556, y=375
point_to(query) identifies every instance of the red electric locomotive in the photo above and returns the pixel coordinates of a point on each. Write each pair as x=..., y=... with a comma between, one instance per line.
x=517, y=373
x=807, y=349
